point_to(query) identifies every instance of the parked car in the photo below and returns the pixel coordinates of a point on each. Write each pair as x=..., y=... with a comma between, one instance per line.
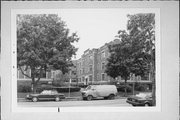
x=46, y=95
x=141, y=99
x=99, y=91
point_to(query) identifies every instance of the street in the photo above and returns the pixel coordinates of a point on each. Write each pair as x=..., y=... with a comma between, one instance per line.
x=81, y=103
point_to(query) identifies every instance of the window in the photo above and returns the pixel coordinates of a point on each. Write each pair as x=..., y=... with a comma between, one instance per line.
x=98, y=78
x=83, y=78
x=103, y=66
x=49, y=75
x=90, y=77
x=21, y=75
x=90, y=57
x=79, y=65
x=73, y=72
x=83, y=70
x=79, y=79
x=90, y=68
x=103, y=54
x=103, y=77
x=43, y=75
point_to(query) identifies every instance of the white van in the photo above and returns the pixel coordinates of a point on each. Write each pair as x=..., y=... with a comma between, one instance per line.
x=99, y=91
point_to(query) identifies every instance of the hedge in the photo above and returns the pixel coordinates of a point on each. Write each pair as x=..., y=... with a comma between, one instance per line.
x=24, y=88
x=141, y=87
x=66, y=89
x=121, y=88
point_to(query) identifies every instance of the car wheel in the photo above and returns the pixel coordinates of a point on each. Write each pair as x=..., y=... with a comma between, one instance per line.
x=89, y=97
x=146, y=104
x=57, y=99
x=105, y=98
x=34, y=99
x=84, y=98
x=111, y=97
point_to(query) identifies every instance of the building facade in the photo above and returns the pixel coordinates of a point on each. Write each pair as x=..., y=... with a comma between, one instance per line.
x=91, y=65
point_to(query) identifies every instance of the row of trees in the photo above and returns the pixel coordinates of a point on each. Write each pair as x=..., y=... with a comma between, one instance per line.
x=135, y=53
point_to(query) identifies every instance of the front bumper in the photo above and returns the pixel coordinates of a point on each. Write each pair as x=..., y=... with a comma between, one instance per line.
x=28, y=98
x=135, y=103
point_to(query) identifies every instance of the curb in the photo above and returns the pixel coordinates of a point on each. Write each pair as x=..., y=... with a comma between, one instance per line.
x=66, y=99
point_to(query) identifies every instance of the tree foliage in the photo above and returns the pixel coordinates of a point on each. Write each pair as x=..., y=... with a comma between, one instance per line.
x=43, y=43
x=135, y=52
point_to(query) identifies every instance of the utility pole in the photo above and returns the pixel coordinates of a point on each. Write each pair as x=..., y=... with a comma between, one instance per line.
x=70, y=83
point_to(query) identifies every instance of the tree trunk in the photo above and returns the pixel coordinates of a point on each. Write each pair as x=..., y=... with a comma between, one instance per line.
x=125, y=90
x=33, y=85
x=34, y=88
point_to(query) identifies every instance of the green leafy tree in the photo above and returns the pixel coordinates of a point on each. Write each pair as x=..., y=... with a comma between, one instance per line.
x=43, y=44
x=135, y=52
x=142, y=28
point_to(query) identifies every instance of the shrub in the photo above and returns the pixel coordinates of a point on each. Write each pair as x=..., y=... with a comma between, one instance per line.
x=66, y=89
x=56, y=83
x=24, y=88
x=82, y=85
x=141, y=87
x=121, y=88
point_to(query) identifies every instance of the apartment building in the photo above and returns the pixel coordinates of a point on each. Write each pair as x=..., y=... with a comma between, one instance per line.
x=91, y=65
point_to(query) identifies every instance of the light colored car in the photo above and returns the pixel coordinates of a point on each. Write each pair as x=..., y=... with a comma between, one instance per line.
x=141, y=99
x=99, y=91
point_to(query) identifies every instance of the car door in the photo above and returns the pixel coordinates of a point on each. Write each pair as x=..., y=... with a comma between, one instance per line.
x=44, y=95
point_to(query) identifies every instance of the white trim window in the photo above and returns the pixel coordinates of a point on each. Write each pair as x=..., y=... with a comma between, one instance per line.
x=103, y=76
x=103, y=65
x=90, y=77
x=103, y=54
x=90, y=68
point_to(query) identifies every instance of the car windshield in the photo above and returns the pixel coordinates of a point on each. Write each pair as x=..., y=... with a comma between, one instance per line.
x=46, y=92
x=88, y=88
x=54, y=92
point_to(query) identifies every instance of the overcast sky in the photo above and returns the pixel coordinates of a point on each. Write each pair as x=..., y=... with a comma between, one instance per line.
x=95, y=27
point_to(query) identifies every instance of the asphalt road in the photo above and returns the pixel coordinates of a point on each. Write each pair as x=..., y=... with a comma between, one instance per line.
x=81, y=103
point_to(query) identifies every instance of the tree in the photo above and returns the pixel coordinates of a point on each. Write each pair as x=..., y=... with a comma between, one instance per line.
x=135, y=51
x=142, y=28
x=43, y=44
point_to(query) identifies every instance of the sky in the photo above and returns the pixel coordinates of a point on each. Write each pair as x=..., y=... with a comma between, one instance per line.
x=95, y=27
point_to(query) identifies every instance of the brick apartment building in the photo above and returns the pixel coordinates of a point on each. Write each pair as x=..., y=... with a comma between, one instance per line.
x=91, y=65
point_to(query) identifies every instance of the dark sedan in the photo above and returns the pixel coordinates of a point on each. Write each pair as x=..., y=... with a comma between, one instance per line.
x=46, y=95
x=141, y=99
